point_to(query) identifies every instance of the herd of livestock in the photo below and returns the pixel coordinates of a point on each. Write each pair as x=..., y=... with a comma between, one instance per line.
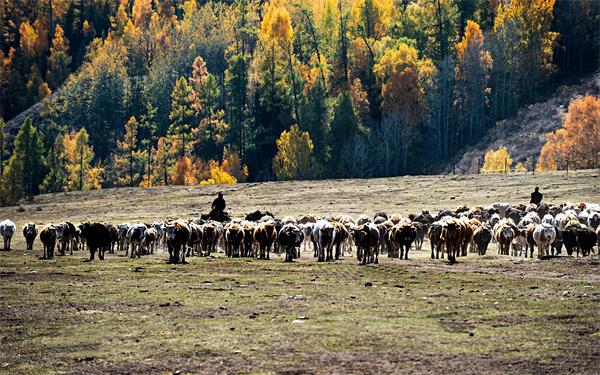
x=517, y=231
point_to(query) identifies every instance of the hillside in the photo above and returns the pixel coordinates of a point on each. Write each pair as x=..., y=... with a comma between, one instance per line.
x=524, y=135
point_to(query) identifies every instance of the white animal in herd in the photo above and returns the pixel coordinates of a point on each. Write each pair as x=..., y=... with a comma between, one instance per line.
x=544, y=235
x=7, y=230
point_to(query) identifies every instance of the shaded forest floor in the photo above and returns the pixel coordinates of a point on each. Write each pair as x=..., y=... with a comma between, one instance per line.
x=215, y=315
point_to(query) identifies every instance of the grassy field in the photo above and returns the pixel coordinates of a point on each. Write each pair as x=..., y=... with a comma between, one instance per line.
x=216, y=315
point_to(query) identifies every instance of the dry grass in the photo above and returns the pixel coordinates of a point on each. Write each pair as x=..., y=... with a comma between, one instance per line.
x=218, y=315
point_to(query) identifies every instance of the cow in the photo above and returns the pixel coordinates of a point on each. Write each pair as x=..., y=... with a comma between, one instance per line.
x=435, y=239
x=505, y=233
x=307, y=219
x=48, y=239
x=558, y=241
x=421, y=232
x=384, y=239
x=366, y=239
x=135, y=236
x=569, y=235
x=195, y=242
x=257, y=215
x=149, y=239
x=544, y=235
x=466, y=235
x=594, y=220
x=401, y=236
x=211, y=235
x=424, y=218
x=290, y=238
x=363, y=219
x=248, y=227
x=30, y=232
x=324, y=236
x=65, y=233
x=481, y=238
x=114, y=237
x=264, y=235
x=342, y=235
x=586, y=239
x=234, y=238
x=122, y=230
x=452, y=238
x=97, y=236
x=7, y=230
x=178, y=235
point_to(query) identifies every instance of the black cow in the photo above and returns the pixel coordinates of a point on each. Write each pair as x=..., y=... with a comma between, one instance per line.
x=98, y=238
x=586, y=239
x=30, y=233
x=482, y=237
x=257, y=215
x=290, y=238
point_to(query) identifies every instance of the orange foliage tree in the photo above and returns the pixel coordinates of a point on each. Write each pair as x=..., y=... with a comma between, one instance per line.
x=577, y=144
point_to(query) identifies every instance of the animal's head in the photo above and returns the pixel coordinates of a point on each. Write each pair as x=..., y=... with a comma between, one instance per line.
x=507, y=231
x=170, y=231
x=30, y=229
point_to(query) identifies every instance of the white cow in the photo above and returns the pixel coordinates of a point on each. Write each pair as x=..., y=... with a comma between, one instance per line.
x=544, y=235
x=7, y=230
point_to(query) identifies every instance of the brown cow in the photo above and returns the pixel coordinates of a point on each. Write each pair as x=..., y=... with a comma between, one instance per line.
x=248, y=228
x=234, y=237
x=265, y=235
x=178, y=235
x=452, y=238
x=505, y=232
x=401, y=236
x=435, y=238
x=366, y=238
x=48, y=238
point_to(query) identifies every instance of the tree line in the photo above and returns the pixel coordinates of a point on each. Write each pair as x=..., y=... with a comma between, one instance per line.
x=187, y=92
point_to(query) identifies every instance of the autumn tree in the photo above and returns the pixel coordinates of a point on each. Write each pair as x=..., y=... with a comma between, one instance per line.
x=218, y=176
x=294, y=158
x=184, y=172
x=472, y=71
x=577, y=144
x=79, y=155
x=59, y=61
x=404, y=80
x=163, y=161
x=232, y=164
x=497, y=161
x=129, y=161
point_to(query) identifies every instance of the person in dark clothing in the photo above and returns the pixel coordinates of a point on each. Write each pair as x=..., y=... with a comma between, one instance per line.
x=218, y=205
x=536, y=196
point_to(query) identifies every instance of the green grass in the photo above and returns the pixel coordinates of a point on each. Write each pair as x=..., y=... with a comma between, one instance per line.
x=239, y=315
x=215, y=315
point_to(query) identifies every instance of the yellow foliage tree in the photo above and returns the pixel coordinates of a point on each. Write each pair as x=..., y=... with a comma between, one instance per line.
x=577, y=144
x=184, y=172
x=218, y=176
x=497, y=161
x=294, y=159
x=232, y=164
x=520, y=168
x=79, y=155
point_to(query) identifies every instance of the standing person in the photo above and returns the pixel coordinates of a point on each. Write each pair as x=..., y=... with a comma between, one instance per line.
x=218, y=205
x=536, y=196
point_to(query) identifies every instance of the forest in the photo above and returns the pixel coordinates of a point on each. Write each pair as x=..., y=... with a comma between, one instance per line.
x=159, y=92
